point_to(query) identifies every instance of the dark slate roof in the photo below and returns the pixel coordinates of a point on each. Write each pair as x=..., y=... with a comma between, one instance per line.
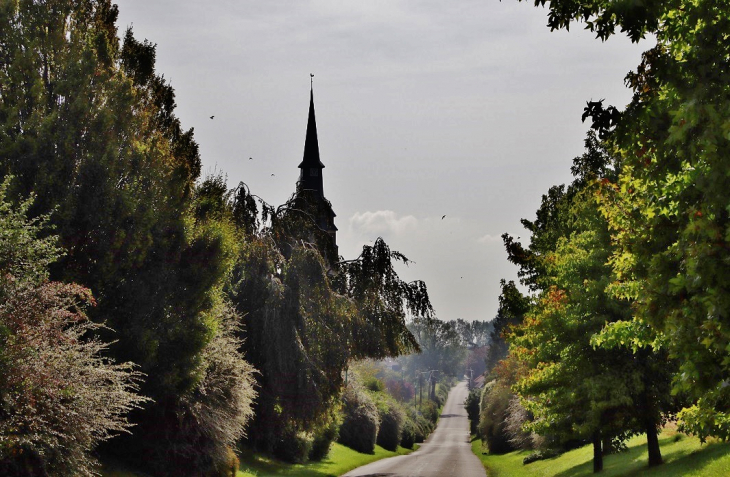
x=311, y=145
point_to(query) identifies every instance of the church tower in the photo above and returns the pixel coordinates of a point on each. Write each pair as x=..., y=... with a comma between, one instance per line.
x=310, y=176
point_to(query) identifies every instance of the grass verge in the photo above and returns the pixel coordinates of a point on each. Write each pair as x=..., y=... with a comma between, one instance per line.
x=683, y=456
x=340, y=460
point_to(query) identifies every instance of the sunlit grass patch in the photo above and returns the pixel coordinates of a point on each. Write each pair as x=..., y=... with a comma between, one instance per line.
x=683, y=456
x=340, y=460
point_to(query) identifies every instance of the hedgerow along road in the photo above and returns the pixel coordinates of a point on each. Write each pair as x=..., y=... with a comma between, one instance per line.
x=446, y=453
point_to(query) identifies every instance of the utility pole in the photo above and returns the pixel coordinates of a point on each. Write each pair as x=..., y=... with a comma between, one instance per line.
x=415, y=400
x=420, y=389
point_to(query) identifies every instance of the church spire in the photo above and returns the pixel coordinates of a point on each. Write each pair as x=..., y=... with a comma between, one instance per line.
x=310, y=175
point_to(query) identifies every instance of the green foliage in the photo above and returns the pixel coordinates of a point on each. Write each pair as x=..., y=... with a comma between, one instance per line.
x=374, y=384
x=512, y=308
x=473, y=334
x=408, y=437
x=580, y=379
x=667, y=210
x=59, y=393
x=306, y=315
x=392, y=418
x=383, y=300
x=471, y=404
x=431, y=411
x=361, y=420
x=88, y=126
x=493, y=414
x=603, y=16
x=99, y=145
x=22, y=253
x=210, y=419
x=325, y=437
x=293, y=446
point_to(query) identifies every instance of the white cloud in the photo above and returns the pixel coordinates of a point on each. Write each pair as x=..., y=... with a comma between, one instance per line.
x=487, y=239
x=381, y=223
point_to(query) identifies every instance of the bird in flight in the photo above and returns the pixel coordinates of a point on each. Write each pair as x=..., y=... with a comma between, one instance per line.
x=443, y=217
x=272, y=175
x=212, y=117
x=250, y=158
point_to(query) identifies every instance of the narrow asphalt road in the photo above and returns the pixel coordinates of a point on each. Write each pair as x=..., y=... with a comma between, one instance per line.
x=446, y=453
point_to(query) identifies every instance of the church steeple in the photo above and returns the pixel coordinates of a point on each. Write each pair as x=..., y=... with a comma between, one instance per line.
x=310, y=184
x=310, y=174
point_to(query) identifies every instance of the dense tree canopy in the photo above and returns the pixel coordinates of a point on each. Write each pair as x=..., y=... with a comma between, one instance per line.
x=668, y=210
x=307, y=315
x=88, y=126
x=573, y=387
x=59, y=395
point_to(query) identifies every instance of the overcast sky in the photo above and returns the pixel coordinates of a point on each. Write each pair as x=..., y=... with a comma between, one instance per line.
x=464, y=108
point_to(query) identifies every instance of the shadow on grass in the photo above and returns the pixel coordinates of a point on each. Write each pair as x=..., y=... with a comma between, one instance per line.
x=267, y=466
x=678, y=461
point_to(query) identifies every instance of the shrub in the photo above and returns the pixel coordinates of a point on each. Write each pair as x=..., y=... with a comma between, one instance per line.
x=492, y=426
x=430, y=411
x=211, y=418
x=516, y=416
x=471, y=405
x=323, y=439
x=442, y=392
x=392, y=418
x=294, y=446
x=372, y=383
x=59, y=395
x=421, y=427
x=360, y=422
x=424, y=427
x=408, y=436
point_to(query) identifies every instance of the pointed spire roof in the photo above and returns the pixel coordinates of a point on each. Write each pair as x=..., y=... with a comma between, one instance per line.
x=311, y=145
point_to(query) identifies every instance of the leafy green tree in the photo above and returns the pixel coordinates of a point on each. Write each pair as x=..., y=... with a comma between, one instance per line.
x=307, y=315
x=88, y=125
x=668, y=209
x=574, y=388
x=513, y=306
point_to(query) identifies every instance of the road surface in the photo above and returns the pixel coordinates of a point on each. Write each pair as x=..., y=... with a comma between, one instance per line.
x=446, y=453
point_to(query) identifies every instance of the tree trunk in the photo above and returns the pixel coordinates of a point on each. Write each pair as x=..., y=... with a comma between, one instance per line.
x=597, y=452
x=652, y=442
x=607, y=446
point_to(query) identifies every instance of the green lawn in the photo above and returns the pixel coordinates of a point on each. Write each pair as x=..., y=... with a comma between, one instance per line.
x=341, y=459
x=683, y=455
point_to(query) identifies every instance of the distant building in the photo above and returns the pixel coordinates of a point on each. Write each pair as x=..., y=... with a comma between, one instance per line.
x=310, y=185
